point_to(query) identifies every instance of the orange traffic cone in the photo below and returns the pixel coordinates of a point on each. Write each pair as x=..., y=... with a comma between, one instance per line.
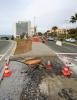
x=48, y=66
x=6, y=72
x=65, y=71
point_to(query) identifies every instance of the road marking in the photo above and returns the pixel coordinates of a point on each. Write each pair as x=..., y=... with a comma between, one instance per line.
x=65, y=59
x=70, y=48
x=67, y=53
x=1, y=57
x=6, y=52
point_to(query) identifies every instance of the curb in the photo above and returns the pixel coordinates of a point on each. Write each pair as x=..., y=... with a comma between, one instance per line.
x=12, y=52
x=1, y=73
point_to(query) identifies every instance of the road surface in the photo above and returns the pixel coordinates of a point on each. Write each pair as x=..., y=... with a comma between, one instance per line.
x=66, y=53
x=65, y=48
x=5, y=50
x=4, y=47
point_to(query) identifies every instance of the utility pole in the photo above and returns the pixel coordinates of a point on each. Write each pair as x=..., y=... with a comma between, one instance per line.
x=34, y=26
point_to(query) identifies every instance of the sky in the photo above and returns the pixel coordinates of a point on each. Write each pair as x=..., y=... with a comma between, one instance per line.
x=48, y=13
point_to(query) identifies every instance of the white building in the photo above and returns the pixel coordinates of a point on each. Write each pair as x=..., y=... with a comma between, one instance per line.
x=33, y=30
x=22, y=26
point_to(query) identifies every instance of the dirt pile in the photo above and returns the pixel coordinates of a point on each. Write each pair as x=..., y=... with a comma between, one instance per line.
x=23, y=46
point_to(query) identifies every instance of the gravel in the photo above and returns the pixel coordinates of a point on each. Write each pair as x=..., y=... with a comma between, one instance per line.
x=11, y=87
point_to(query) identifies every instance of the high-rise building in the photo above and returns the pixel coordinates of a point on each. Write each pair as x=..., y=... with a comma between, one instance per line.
x=22, y=26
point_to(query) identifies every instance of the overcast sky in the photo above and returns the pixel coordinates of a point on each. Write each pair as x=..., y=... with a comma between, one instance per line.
x=48, y=13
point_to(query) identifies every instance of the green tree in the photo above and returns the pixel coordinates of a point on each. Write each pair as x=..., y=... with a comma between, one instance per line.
x=54, y=28
x=72, y=31
x=45, y=34
x=5, y=38
x=48, y=30
x=12, y=38
x=73, y=18
x=22, y=35
x=39, y=33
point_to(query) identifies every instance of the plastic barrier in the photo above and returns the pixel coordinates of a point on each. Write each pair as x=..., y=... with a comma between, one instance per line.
x=59, y=43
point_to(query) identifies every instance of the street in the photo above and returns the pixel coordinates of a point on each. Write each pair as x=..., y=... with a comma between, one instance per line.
x=65, y=48
x=5, y=50
x=4, y=46
x=66, y=53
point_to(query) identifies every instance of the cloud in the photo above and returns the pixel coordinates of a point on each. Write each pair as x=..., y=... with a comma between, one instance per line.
x=48, y=13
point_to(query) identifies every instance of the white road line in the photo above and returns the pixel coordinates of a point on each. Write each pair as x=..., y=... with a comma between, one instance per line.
x=1, y=55
x=67, y=53
x=6, y=52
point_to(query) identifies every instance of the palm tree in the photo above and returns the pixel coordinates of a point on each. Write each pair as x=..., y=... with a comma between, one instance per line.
x=73, y=18
x=54, y=28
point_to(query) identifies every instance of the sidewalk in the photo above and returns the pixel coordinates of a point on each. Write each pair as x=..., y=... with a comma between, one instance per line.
x=39, y=49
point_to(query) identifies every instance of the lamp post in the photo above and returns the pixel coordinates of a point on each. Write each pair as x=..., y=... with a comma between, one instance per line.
x=34, y=25
x=66, y=28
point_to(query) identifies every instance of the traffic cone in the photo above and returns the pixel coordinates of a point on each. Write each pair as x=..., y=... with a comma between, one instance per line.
x=6, y=72
x=65, y=71
x=48, y=65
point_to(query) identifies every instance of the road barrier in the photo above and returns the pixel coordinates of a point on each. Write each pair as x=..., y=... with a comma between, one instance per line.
x=59, y=43
x=6, y=71
x=65, y=71
x=46, y=39
x=48, y=65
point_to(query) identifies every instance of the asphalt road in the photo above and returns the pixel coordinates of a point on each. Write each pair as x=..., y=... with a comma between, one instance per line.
x=5, y=49
x=66, y=53
x=65, y=48
x=4, y=46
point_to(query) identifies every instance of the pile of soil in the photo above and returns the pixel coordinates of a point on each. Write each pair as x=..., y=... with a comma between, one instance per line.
x=23, y=46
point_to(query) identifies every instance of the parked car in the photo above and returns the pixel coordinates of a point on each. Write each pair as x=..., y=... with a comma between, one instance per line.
x=70, y=40
x=50, y=38
x=67, y=40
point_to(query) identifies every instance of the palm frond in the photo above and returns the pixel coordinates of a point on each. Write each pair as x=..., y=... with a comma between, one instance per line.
x=73, y=21
x=72, y=17
x=76, y=16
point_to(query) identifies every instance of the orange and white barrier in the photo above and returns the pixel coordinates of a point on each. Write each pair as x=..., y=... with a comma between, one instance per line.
x=48, y=65
x=6, y=71
x=65, y=71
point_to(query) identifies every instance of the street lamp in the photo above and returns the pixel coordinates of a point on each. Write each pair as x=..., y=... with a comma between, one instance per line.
x=34, y=25
x=66, y=28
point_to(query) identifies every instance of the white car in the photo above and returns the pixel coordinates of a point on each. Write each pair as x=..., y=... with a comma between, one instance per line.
x=50, y=38
x=70, y=40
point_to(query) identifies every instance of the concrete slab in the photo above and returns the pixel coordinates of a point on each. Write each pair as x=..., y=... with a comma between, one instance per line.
x=38, y=50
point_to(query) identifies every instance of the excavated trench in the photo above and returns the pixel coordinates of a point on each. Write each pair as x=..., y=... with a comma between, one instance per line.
x=49, y=84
